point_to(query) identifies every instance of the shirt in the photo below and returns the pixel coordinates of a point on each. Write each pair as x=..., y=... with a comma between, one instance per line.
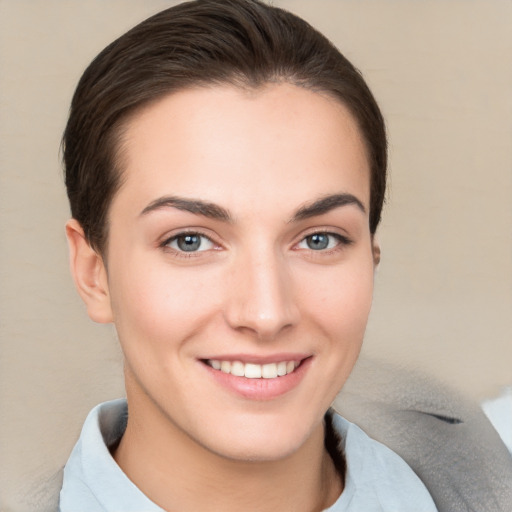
x=377, y=479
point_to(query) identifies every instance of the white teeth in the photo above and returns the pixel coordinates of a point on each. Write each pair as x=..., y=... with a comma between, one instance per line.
x=237, y=369
x=281, y=368
x=216, y=365
x=269, y=371
x=254, y=371
x=225, y=366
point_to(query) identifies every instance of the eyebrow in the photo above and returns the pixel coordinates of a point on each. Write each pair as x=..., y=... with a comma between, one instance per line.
x=196, y=206
x=325, y=205
x=214, y=211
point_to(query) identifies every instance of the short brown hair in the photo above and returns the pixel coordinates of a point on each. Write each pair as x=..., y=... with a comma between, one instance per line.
x=241, y=42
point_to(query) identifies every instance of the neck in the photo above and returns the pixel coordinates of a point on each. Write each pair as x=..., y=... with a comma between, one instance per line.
x=177, y=473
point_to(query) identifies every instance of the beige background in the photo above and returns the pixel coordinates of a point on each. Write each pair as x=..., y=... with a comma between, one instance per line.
x=442, y=73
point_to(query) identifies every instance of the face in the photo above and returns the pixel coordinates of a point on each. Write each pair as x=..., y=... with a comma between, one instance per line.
x=240, y=267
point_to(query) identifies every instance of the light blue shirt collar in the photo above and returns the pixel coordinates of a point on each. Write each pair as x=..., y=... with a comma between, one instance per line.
x=377, y=479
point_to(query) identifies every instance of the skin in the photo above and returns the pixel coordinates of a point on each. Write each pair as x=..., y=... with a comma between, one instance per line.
x=255, y=288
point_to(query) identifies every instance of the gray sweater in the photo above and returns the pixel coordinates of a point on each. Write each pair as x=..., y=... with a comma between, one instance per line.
x=446, y=439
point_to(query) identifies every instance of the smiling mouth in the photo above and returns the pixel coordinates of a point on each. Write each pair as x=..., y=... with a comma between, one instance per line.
x=254, y=371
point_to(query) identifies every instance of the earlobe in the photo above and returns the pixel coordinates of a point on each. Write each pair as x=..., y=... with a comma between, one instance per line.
x=89, y=273
x=375, y=252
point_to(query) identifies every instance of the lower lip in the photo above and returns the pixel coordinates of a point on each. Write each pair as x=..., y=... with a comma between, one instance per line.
x=260, y=389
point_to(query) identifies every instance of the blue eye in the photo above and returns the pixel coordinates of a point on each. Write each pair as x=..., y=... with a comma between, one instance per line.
x=190, y=242
x=321, y=241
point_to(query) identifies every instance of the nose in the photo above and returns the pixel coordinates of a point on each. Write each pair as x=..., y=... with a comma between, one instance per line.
x=261, y=299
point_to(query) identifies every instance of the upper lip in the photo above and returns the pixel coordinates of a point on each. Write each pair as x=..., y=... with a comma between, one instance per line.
x=259, y=359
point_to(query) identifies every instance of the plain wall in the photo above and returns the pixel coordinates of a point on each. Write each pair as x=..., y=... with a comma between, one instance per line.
x=441, y=71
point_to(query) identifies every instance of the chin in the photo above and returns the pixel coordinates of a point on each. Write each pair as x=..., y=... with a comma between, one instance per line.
x=253, y=440
x=258, y=451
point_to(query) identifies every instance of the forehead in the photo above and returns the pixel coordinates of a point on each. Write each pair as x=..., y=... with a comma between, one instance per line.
x=225, y=143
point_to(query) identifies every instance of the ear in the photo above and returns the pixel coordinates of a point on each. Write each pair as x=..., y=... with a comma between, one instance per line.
x=375, y=252
x=89, y=273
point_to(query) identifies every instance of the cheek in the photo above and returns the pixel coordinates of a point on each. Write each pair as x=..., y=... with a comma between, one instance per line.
x=341, y=301
x=338, y=307
x=156, y=307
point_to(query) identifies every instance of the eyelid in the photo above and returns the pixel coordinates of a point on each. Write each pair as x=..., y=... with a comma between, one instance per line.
x=169, y=238
x=325, y=230
x=202, y=238
x=343, y=240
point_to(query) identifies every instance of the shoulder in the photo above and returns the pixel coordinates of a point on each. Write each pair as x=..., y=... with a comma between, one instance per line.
x=377, y=478
x=445, y=438
x=93, y=482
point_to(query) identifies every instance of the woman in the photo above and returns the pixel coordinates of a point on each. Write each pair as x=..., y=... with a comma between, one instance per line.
x=226, y=170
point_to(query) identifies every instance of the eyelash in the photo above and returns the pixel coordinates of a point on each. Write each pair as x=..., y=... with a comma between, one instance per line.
x=166, y=244
x=341, y=242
